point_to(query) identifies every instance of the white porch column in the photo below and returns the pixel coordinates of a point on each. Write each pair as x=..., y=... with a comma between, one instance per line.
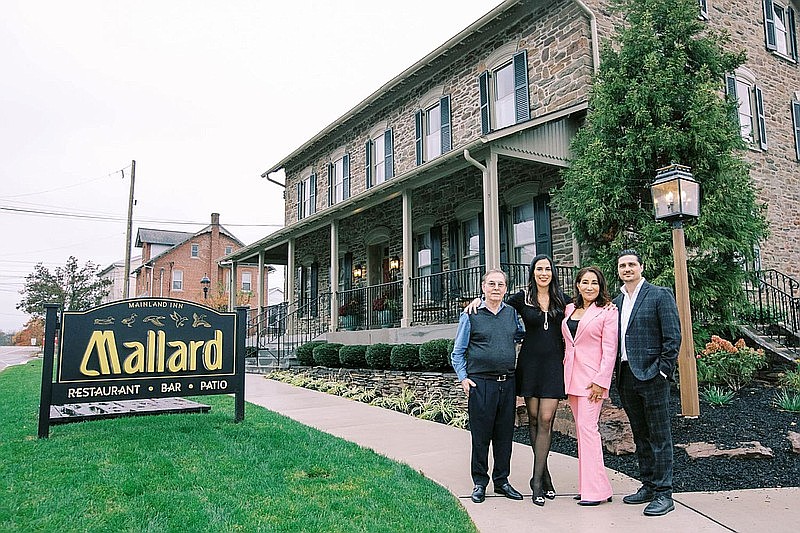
x=262, y=277
x=334, y=281
x=290, y=281
x=408, y=261
x=491, y=214
x=232, y=289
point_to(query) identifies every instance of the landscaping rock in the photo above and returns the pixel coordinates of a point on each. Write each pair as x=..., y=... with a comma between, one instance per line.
x=794, y=438
x=746, y=450
x=615, y=428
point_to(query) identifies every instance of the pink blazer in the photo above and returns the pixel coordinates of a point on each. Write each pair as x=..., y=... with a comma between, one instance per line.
x=590, y=356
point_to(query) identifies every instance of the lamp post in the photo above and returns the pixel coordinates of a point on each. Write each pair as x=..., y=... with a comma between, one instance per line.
x=676, y=197
x=205, y=282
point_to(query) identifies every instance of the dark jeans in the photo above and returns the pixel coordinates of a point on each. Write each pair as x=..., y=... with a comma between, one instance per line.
x=491, y=407
x=647, y=405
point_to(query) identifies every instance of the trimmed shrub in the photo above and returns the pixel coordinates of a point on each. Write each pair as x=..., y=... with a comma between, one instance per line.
x=305, y=352
x=435, y=354
x=732, y=365
x=378, y=355
x=405, y=357
x=353, y=356
x=327, y=354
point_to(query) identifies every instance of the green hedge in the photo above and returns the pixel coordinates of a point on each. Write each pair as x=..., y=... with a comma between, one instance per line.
x=378, y=356
x=353, y=356
x=327, y=354
x=405, y=357
x=305, y=352
x=435, y=354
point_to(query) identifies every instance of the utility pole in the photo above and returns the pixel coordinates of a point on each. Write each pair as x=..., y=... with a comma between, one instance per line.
x=126, y=281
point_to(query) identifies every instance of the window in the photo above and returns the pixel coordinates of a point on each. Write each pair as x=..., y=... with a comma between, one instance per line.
x=339, y=180
x=472, y=243
x=531, y=229
x=504, y=96
x=779, y=29
x=703, y=9
x=177, y=280
x=796, y=124
x=306, y=287
x=247, y=279
x=423, y=245
x=195, y=250
x=432, y=131
x=307, y=197
x=379, y=154
x=750, y=107
x=228, y=250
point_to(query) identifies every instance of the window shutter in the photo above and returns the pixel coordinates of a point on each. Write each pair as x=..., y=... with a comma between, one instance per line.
x=792, y=34
x=418, y=136
x=521, y=100
x=796, y=123
x=541, y=220
x=368, y=162
x=312, y=198
x=481, y=240
x=314, y=288
x=388, y=152
x=444, y=106
x=730, y=90
x=483, y=86
x=762, y=123
x=769, y=25
x=436, y=262
x=299, y=200
x=452, y=246
x=504, y=235
x=331, y=185
x=346, y=177
x=347, y=267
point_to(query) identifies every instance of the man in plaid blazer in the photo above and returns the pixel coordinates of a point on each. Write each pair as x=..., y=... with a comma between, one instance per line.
x=649, y=341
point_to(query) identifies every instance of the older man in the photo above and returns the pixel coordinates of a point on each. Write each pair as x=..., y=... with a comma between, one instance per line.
x=484, y=358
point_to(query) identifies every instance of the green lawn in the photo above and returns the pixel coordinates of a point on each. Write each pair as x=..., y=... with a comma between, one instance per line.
x=201, y=472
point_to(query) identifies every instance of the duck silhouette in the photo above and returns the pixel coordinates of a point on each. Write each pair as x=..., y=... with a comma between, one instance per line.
x=130, y=320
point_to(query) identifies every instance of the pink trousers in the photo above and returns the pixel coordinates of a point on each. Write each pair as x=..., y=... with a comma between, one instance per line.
x=593, y=483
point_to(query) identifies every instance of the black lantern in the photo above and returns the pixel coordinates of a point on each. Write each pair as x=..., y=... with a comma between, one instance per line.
x=206, y=283
x=676, y=195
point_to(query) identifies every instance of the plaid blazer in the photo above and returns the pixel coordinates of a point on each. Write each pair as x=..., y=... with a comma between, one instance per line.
x=653, y=337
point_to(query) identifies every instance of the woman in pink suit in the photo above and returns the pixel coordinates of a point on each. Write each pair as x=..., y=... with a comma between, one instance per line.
x=590, y=334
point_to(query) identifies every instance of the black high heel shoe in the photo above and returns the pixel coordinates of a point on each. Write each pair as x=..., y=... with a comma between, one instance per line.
x=538, y=494
x=549, y=489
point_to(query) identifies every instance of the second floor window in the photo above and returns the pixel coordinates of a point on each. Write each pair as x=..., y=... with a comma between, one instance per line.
x=195, y=250
x=796, y=124
x=339, y=180
x=750, y=107
x=379, y=153
x=433, y=131
x=503, y=94
x=307, y=197
x=247, y=281
x=228, y=250
x=177, y=280
x=779, y=28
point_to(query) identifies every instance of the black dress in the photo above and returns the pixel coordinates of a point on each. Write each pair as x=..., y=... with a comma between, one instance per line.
x=540, y=366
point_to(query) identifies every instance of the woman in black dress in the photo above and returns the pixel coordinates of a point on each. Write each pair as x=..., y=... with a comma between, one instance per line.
x=540, y=365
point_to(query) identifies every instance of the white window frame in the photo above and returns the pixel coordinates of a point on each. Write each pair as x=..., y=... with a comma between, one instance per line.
x=228, y=250
x=195, y=250
x=703, y=9
x=306, y=202
x=247, y=281
x=468, y=258
x=750, y=107
x=378, y=159
x=432, y=136
x=504, y=104
x=779, y=24
x=177, y=280
x=518, y=244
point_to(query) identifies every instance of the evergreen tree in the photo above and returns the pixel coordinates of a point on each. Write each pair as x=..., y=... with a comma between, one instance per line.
x=658, y=99
x=73, y=287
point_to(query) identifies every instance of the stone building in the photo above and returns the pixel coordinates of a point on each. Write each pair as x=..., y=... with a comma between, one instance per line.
x=401, y=203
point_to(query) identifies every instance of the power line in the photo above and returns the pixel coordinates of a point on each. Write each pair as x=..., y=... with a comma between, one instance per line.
x=122, y=170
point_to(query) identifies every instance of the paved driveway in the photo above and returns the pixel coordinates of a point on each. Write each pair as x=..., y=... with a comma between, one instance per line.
x=17, y=355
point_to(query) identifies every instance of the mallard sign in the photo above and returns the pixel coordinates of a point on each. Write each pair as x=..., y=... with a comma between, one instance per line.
x=143, y=348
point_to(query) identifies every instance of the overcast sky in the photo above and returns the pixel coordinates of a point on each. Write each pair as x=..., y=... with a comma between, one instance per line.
x=205, y=96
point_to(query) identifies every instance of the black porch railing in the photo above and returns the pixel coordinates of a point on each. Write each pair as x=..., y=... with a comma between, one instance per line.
x=775, y=307
x=373, y=307
x=275, y=333
x=439, y=298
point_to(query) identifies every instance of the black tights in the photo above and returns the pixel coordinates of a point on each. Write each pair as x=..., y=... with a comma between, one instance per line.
x=541, y=413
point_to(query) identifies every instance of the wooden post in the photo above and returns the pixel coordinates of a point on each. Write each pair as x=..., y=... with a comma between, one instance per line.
x=687, y=364
x=129, y=228
x=46, y=397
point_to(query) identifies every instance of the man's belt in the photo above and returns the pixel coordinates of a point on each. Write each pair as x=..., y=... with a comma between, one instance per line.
x=492, y=377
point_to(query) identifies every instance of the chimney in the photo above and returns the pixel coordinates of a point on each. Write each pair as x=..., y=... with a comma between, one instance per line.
x=215, y=219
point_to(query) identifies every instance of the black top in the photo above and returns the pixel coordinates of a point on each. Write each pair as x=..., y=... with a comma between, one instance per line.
x=540, y=366
x=572, y=324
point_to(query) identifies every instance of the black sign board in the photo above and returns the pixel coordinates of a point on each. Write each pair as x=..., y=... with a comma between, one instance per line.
x=143, y=348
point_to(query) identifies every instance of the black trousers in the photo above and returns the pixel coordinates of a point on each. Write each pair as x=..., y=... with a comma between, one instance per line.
x=491, y=407
x=647, y=405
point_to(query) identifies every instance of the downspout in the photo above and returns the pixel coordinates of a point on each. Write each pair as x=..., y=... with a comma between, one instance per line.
x=474, y=161
x=595, y=38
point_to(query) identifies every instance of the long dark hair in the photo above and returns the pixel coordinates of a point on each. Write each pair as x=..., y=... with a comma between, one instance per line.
x=602, y=295
x=557, y=302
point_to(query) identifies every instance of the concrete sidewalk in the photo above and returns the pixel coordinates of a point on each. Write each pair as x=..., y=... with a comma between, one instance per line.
x=442, y=453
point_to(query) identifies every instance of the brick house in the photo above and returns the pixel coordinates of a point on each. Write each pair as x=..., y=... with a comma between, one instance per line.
x=446, y=169
x=174, y=263
x=115, y=272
